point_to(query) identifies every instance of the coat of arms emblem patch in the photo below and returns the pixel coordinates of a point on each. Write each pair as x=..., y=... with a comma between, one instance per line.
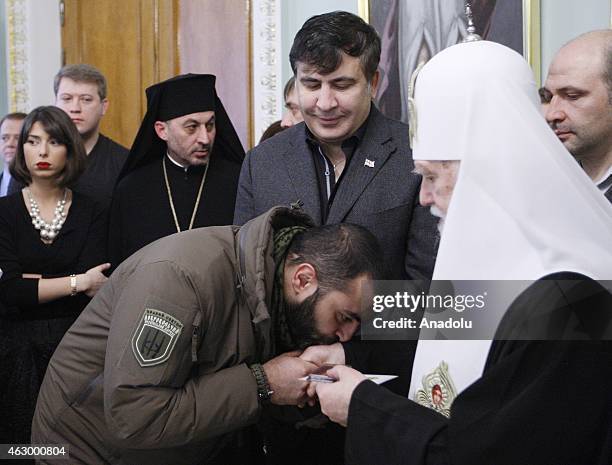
x=155, y=337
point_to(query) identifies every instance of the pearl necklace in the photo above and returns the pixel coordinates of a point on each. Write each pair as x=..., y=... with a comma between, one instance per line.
x=48, y=232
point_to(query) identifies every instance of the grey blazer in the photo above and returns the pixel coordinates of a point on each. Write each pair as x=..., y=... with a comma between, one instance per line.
x=379, y=191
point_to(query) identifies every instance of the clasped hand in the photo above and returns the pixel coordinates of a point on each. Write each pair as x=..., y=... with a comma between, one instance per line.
x=284, y=373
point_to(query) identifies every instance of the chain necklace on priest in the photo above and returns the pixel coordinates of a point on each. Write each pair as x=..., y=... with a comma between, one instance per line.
x=197, y=202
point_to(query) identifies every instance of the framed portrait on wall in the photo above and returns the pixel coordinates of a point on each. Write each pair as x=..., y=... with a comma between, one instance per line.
x=413, y=31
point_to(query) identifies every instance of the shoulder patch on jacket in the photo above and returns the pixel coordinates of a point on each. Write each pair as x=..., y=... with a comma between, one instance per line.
x=155, y=337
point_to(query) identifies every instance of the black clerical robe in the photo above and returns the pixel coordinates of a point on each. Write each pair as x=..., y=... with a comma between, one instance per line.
x=104, y=163
x=141, y=213
x=537, y=402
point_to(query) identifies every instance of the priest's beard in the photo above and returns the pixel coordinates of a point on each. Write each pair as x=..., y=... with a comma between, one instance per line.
x=435, y=211
x=302, y=324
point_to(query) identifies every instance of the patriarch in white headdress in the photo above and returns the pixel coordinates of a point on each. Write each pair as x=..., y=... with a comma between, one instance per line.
x=518, y=211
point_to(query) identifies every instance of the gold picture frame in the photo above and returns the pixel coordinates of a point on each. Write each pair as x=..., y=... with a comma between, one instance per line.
x=532, y=49
x=363, y=10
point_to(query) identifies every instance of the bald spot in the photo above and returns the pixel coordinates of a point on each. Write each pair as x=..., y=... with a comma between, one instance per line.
x=578, y=54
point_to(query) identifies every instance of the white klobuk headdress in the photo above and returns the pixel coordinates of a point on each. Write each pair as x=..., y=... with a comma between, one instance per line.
x=522, y=208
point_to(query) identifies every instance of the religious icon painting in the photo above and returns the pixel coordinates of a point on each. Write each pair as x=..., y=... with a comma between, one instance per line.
x=438, y=392
x=412, y=31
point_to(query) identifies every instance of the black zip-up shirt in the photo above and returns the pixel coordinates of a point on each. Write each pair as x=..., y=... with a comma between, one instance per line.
x=326, y=177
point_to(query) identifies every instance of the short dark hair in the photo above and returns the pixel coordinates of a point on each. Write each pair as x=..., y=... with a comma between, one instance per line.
x=15, y=116
x=339, y=253
x=323, y=38
x=81, y=73
x=289, y=86
x=272, y=130
x=60, y=127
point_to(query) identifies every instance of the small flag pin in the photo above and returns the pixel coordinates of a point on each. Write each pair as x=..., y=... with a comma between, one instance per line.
x=369, y=163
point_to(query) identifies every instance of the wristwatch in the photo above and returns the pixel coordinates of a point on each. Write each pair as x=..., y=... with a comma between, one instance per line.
x=264, y=392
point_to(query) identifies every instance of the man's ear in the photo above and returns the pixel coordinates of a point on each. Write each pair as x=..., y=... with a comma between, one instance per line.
x=303, y=281
x=374, y=84
x=104, y=106
x=161, y=130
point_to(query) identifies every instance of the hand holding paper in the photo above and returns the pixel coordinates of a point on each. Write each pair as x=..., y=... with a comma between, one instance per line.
x=335, y=397
x=316, y=378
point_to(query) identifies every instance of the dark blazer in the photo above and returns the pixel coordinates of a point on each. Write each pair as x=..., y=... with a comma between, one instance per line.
x=14, y=186
x=383, y=196
x=608, y=194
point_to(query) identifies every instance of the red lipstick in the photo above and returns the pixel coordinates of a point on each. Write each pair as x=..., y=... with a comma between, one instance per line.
x=43, y=165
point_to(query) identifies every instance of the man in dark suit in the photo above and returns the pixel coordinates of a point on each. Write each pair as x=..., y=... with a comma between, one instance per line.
x=345, y=163
x=10, y=127
x=81, y=91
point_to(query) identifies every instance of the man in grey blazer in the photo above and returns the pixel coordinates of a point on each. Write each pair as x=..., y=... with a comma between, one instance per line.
x=345, y=163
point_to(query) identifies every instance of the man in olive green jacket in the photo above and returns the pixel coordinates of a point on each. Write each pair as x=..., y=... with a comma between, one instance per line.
x=165, y=364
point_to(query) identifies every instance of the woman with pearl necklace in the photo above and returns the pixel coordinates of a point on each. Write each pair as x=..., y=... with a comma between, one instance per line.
x=52, y=254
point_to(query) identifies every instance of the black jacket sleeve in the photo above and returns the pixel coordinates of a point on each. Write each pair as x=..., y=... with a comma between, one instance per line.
x=94, y=250
x=15, y=291
x=384, y=428
x=115, y=248
x=385, y=358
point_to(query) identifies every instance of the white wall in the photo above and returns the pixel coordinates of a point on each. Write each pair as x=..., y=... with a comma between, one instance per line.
x=275, y=23
x=562, y=20
x=3, y=63
x=44, y=49
x=293, y=15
